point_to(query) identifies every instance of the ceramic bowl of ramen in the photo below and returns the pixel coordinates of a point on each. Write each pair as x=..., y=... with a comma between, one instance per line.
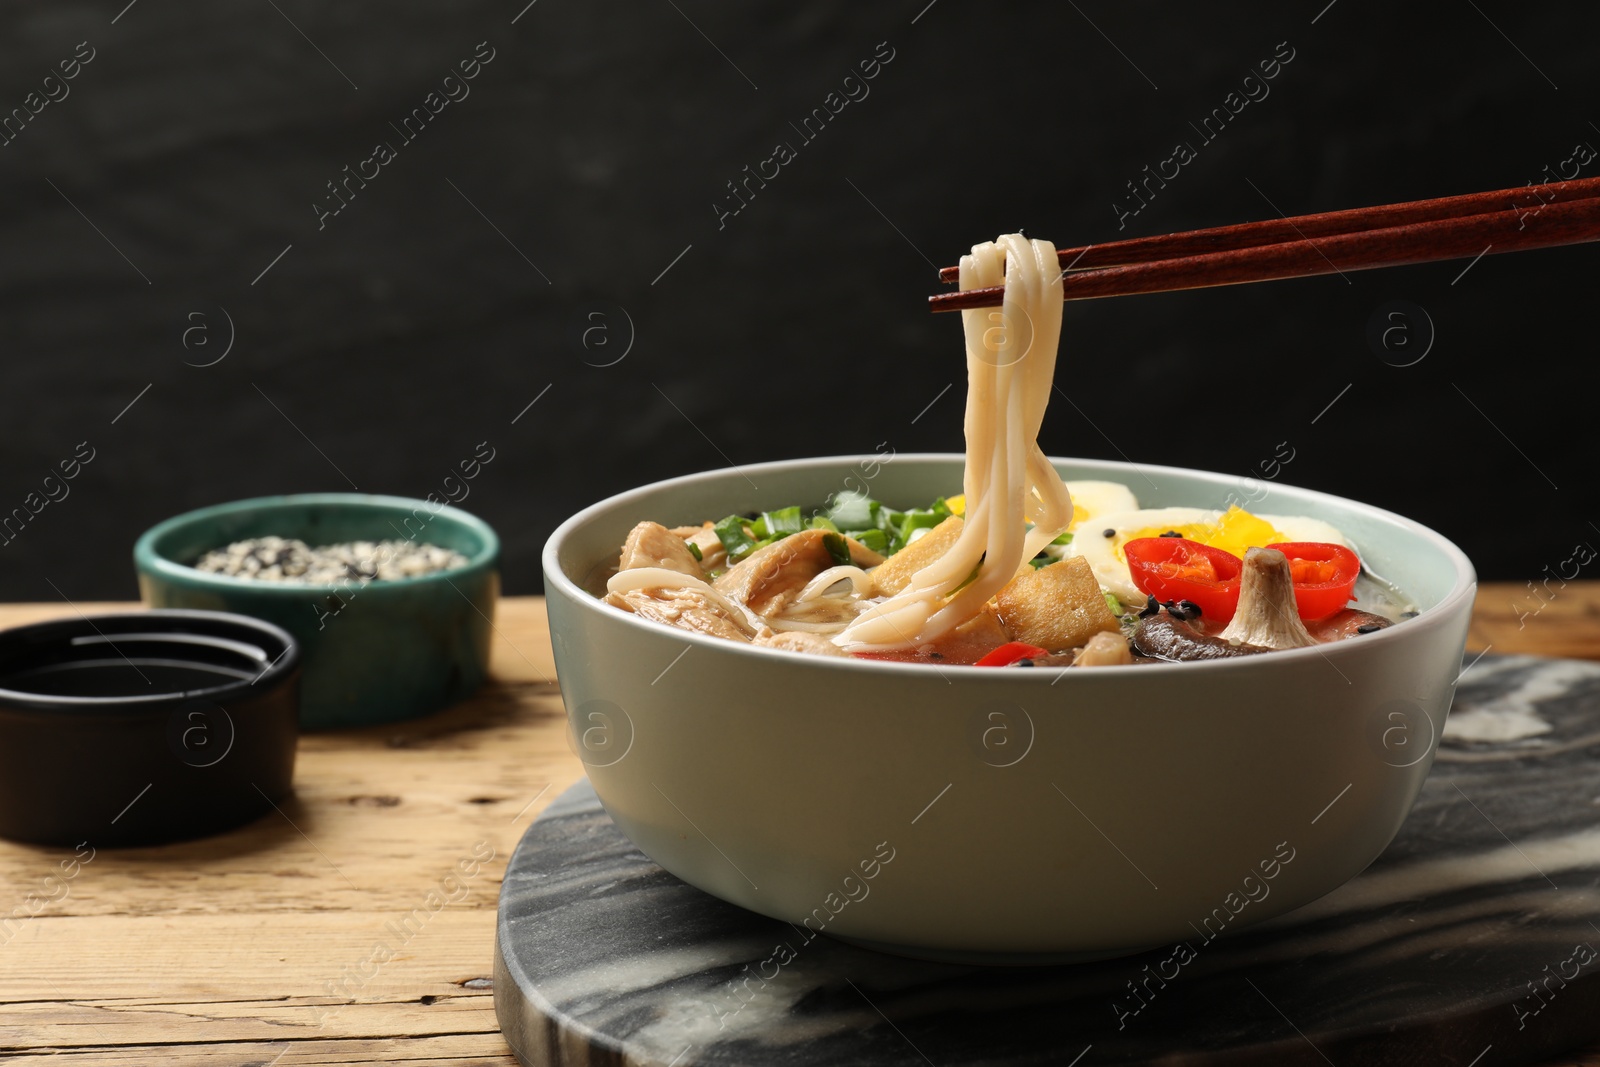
x=978, y=815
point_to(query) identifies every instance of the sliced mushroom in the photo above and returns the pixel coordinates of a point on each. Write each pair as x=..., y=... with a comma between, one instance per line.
x=1350, y=622
x=1267, y=616
x=1164, y=637
x=1105, y=649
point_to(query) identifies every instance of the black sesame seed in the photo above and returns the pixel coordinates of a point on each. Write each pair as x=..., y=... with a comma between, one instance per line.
x=1109, y=532
x=1369, y=628
x=1023, y=663
x=1182, y=610
x=1151, y=607
x=1172, y=533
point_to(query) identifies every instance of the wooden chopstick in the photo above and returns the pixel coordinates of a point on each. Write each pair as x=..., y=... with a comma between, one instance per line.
x=1528, y=198
x=1572, y=222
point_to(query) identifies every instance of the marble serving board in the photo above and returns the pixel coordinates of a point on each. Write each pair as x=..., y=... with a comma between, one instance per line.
x=1472, y=941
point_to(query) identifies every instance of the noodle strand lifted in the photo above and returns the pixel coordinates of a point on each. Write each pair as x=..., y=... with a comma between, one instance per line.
x=1009, y=483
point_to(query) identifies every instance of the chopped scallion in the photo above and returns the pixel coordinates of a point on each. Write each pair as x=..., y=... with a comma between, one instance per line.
x=694, y=550
x=919, y=520
x=876, y=540
x=837, y=548
x=731, y=532
x=854, y=511
x=783, y=522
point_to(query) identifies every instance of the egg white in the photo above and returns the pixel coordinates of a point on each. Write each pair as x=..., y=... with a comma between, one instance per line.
x=1101, y=498
x=1094, y=499
x=1090, y=542
x=1305, y=528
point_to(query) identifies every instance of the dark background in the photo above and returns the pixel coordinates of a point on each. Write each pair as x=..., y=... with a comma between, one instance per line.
x=454, y=289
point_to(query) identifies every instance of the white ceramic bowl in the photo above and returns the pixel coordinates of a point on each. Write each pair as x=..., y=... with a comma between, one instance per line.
x=989, y=815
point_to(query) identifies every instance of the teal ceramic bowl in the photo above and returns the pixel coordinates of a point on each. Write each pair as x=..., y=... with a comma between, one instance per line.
x=379, y=652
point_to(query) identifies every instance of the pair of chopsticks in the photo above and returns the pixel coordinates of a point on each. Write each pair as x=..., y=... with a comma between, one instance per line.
x=1332, y=242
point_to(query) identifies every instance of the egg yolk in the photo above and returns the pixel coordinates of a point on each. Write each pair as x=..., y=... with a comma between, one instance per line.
x=1234, y=531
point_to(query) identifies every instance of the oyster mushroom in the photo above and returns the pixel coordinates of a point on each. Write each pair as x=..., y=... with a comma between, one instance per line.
x=1267, y=616
x=1350, y=622
x=1164, y=636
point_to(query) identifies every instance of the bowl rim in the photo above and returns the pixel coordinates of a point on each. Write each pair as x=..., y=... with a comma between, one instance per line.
x=224, y=625
x=1464, y=586
x=148, y=561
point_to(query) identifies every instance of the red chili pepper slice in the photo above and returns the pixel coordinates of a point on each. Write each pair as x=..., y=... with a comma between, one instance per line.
x=1175, y=568
x=1010, y=652
x=1324, y=576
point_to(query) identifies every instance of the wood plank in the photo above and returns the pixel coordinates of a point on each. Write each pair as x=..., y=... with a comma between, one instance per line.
x=258, y=946
x=228, y=978
x=1543, y=620
x=440, y=1050
x=260, y=943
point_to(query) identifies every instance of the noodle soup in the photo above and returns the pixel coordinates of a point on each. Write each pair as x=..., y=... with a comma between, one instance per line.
x=798, y=578
x=1018, y=569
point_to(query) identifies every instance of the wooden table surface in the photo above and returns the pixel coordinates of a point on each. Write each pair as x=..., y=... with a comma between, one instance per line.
x=257, y=947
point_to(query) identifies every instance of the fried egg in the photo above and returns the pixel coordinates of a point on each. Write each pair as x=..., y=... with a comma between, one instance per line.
x=1093, y=499
x=1089, y=499
x=1235, y=530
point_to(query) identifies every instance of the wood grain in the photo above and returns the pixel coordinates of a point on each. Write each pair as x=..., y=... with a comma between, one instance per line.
x=1493, y=233
x=1307, y=227
x=272, y=944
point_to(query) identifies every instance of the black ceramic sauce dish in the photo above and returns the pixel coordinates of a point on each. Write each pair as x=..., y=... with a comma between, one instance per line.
x=144, y=727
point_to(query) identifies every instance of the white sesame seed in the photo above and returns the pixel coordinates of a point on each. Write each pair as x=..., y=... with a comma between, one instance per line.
x=278, y=559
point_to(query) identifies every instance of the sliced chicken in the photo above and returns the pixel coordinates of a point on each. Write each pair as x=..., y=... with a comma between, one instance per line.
x=651, y=544
x=686, y=608
x=799, y=641
x=713, y=557
x=770, y=578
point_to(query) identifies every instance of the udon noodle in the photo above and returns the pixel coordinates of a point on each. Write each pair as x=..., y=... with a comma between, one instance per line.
x=1014, y=571
x=1011, y=359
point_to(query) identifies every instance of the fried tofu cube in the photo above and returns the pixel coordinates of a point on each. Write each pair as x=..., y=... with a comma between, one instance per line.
x=894, y=575
x=1059, y=606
